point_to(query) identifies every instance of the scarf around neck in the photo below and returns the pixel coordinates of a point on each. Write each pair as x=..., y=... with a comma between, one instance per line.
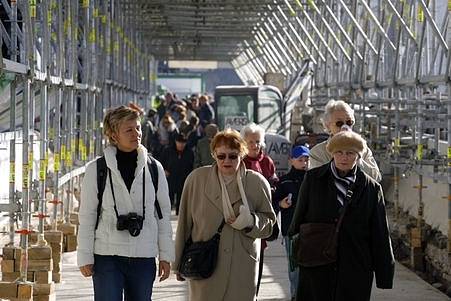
x=342, y=183
x=227, y=208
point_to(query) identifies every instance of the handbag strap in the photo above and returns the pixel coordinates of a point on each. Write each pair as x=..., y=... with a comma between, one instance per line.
x=220, y=227
x=348, y=198
x=218, y=232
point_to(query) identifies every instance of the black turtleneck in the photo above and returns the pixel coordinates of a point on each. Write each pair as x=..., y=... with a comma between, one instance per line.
x=126, y=163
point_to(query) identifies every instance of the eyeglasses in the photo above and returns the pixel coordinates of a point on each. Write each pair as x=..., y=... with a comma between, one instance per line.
x=222, y=157
x=348, y=122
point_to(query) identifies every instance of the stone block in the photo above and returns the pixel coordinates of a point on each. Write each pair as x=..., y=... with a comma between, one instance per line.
x=9, y=252
x=56, y=277
x=8, y=290
x=24, y=291
x=43, y=277
x=51, y=297
x=8, y=266
x=39, y=253
x=40, y=265
x=43, y=289
x=70, y=243
x=68, y=229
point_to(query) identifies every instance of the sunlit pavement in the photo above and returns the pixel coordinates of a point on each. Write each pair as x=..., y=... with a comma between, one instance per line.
x=275, y=286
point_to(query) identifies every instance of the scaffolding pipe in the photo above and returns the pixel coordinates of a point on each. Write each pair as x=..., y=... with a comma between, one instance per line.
x=25, y=180
x=449, y=166
x=12, y=161
x=43, y=122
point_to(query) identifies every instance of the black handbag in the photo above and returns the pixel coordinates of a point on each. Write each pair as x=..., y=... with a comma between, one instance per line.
x=199, y=258
x=318, y=242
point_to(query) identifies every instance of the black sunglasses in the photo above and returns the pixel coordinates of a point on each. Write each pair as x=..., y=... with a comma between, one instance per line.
x=340, y=123
x=224, y=156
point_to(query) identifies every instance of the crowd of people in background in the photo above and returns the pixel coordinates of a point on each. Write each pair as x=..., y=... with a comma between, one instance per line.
x=178, y=134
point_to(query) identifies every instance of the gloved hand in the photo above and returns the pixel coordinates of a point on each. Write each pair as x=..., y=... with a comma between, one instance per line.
x=244, y=220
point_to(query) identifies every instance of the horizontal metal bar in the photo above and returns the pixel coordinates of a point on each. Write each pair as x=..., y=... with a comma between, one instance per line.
x=14, y=67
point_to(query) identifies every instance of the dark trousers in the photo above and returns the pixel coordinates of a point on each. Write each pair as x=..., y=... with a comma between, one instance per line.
x=115, y=276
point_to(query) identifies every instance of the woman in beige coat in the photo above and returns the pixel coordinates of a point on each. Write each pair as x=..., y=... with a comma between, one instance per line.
x=226, y=191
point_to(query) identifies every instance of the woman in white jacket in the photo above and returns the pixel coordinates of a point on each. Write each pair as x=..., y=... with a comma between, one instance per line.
x=121, y=256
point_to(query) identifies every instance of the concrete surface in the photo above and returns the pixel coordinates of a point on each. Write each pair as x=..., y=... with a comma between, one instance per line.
x=408, y=286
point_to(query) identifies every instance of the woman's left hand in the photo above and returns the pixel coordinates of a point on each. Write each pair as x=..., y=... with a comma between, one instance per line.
x=231, y=220
x=164, y=268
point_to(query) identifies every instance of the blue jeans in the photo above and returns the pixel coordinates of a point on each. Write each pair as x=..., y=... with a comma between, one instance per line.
x=117, y=275
x=293, y=276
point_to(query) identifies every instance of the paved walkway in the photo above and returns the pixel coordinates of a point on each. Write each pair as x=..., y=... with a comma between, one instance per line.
x=408, y=286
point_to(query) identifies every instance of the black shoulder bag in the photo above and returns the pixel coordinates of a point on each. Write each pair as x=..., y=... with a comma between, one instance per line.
x=199, y=258
x=317, y=242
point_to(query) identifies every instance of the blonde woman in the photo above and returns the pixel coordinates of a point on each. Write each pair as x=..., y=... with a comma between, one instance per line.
x=119, y=247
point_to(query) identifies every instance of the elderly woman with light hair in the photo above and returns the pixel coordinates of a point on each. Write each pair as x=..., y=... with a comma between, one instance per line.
x=341, y=196
x=339, y=116
x=258, y=161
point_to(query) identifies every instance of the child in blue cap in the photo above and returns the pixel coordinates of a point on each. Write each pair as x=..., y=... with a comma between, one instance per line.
x=285, y=198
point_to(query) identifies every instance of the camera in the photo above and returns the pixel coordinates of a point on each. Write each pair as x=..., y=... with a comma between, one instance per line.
x=131, y=222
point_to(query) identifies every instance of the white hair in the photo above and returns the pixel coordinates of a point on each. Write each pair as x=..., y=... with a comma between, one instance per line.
x=252, y=128
x=336, y=105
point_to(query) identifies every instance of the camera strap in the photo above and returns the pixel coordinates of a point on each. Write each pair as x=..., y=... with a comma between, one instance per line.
x=144, y=194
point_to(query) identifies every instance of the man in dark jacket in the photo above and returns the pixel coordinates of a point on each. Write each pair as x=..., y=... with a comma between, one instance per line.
x=206, y=112
x=177, y=161
x=285, y=199
x=364, y=246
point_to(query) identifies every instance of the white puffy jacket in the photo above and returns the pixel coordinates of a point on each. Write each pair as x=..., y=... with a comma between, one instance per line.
x=155, y=239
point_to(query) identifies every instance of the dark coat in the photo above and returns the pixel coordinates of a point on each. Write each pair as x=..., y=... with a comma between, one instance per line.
x=179, y=167
x=364, y=245
x=288, y=183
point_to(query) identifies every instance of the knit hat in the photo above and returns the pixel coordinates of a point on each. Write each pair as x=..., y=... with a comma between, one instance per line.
x=300, y=151
x=346, y=141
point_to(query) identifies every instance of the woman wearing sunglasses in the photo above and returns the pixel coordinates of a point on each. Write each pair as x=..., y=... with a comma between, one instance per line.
x=226, y=191
x=339, y=116
x=337, y=191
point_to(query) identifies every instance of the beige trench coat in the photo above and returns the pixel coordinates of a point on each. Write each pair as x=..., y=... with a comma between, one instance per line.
x=200, y=215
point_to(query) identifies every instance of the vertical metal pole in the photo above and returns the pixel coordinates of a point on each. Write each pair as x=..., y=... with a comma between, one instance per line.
x=449, y=167
x=25, y=181
x=58, y=154
x=43, y=123
x=12, y=161
x=396, y=150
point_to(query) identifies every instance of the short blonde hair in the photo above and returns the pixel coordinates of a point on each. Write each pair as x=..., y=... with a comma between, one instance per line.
x=114, y=118
x=231, y=139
